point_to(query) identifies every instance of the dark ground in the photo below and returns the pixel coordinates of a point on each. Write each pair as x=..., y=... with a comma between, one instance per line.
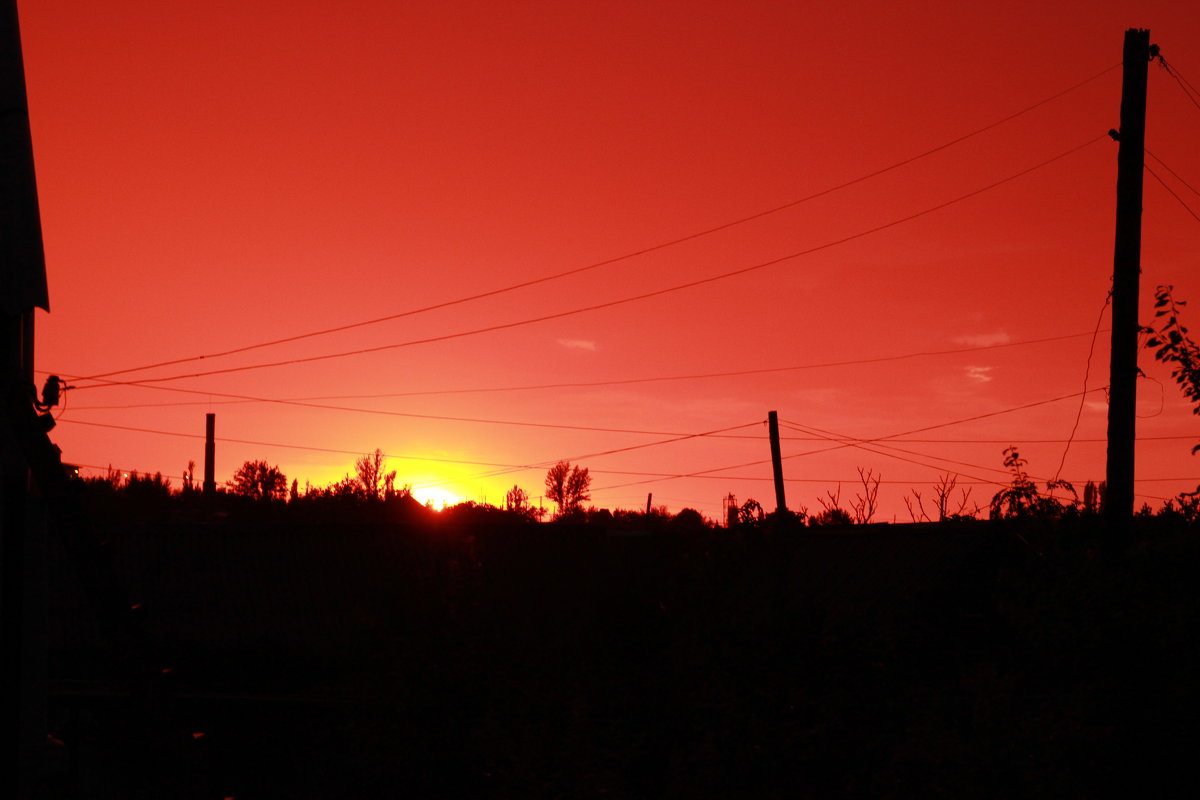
x=544, y=661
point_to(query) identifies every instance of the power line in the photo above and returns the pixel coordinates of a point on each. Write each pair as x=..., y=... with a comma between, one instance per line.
x=854, y=479
x=1167, y=167
x=832, y=436
x=680, y=438
x=1087, y=370
x=1172, y=192
x=975, y=418
x=1008, y=440
x=975, y=479
x=338, y=451
x=383, y=412
x=299, y=402
x=1188, y=90
x=884, y=452
x=518, y=423
x=126, y=470
x=625, y=256
x=547, y=462
x=628, y=381
x=619, y=301
x=509, y=468
x=505, y=468
x=848, y=442
x=226, y=440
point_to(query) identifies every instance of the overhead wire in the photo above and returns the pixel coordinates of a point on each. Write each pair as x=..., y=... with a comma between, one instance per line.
x=1162, y=397
x=1087, y=371
x=857, y=443
x=629, y=255
x=631, y=381
x=1177, y=176
x=924, y=429
x=1188, y=90
x=1010, y=439
x=303, y=403
x=514, y=467
x=1172, y=192
x=843, y=445
x=306, y=448
x=538, y=465
x=810, y=452
x=611, y=303
x=543, y=464
x=475, y=420
x=863, y=445
x=974, y=479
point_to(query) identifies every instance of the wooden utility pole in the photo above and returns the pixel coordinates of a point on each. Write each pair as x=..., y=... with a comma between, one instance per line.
x=649, y=498
x=1123, y=369
x=210, y=454
x=776, y=461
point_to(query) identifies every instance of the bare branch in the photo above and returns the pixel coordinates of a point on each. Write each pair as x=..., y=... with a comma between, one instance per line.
x=866, y=503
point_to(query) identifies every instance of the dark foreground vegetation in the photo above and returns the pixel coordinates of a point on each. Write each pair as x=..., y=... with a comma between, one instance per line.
x=477, y=654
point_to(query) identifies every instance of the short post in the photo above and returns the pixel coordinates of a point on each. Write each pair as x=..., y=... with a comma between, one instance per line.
x=776, y=462
x=210, y=453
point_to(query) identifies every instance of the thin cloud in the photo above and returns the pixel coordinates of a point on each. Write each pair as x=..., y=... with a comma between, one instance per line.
x=981, y=374
x=578, y=344
x=983, y=339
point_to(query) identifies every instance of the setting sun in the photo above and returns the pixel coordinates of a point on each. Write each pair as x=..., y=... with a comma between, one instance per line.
x=437, y=497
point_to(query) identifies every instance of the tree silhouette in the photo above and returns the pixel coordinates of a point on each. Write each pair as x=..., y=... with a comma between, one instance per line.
x=946, y=504
x=689, y=519
x=751, y=513
x=865, y=504
x=567, y=486
x=516, y=500
x=832, y=512
x=1021, y=498
x=369, y=470
x=259, y=481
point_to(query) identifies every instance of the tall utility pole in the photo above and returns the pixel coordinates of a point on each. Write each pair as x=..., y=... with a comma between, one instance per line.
x=776, y=461
x=1123, y=369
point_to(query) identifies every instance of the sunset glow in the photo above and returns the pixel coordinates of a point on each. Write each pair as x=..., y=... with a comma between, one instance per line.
x=485, y=238
x=436, y=497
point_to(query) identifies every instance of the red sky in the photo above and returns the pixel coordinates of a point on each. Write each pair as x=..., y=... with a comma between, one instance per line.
x=221, y=174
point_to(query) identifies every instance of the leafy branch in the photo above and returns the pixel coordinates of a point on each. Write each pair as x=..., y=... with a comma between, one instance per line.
x=1021, y=498
x=1169, y=339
